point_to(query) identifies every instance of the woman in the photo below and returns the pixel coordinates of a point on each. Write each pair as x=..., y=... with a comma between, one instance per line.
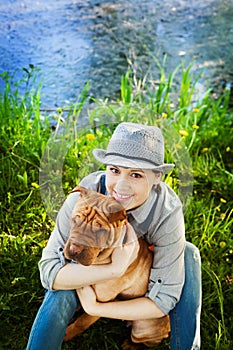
x=135, y=164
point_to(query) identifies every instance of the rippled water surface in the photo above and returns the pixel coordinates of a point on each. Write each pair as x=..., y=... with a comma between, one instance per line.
x=73, y=42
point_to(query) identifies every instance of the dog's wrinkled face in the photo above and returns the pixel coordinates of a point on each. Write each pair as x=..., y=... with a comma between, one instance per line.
x=96, y=224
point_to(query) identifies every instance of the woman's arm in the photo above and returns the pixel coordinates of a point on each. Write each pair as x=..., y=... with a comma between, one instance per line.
x=74, y=276
x=134, y=309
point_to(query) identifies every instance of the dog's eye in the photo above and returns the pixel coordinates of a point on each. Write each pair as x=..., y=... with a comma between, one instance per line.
x=78, y=220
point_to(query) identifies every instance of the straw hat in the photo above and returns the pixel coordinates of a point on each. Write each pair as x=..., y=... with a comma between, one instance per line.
x=135, y=146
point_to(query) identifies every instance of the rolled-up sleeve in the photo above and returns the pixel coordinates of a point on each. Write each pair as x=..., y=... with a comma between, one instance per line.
x=52, y=255
x=167, y=273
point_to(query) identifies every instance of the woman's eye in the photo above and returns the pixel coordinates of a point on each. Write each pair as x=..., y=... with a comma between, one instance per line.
x=136, y=175
x=114, y=170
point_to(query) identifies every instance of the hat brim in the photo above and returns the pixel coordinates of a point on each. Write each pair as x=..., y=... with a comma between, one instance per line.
x=117, y=160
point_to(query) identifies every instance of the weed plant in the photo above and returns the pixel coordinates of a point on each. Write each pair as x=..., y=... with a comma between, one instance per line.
x=40, y=165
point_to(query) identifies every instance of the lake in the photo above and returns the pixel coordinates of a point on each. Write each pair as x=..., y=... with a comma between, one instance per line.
x=75, y=42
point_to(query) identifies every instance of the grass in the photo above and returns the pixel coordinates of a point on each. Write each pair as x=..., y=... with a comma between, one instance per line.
x=39, y=165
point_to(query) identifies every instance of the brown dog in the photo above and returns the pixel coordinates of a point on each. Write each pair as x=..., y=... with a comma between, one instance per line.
x=96, y=224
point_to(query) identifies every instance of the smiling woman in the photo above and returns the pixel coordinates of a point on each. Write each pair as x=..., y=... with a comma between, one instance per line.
x=135, y=162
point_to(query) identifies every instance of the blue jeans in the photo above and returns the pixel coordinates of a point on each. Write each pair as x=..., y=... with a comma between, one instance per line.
x=58, y=308
x=185, y=317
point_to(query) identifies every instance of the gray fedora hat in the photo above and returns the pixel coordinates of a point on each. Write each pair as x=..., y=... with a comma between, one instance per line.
x=135, y=146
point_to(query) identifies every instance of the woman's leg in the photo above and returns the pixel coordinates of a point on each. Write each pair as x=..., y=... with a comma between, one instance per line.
x=50, y=324
x=185, y=318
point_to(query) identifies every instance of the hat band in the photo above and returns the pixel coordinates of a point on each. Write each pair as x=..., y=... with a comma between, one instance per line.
x=130, y=157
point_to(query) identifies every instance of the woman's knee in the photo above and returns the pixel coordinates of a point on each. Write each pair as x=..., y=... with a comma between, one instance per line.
x=192, y=257
x=62, y=302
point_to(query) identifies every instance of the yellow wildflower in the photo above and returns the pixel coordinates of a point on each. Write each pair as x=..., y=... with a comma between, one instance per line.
x=222, y=244
x=222, y=200
x=205, y=149
x=90, y=136
x=195, y=126
x=228, y=149
x=183, y=133
x=222, y=216
x=218, y=209
x=164, y=115
x=195, y=110
x=178, y=146
x=34, y=184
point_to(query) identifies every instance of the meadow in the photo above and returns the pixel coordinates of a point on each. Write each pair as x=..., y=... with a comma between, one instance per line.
x=41, y=161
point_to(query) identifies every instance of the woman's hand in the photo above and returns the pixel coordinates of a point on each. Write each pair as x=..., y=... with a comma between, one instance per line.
x=125, y=253
x=87, y=298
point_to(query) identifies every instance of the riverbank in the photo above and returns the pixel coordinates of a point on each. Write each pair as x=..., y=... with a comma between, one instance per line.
x=78, y=41
x=39, y=161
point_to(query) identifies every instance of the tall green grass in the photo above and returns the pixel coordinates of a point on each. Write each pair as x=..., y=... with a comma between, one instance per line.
x=40, y=165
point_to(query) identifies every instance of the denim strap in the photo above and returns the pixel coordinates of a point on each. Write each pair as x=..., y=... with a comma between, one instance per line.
x=102, y=184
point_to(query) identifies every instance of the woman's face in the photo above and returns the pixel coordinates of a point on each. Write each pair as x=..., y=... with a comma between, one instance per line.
x=131, y=187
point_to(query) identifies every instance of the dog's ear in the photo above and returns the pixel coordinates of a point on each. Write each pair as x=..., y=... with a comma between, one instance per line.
x=82, y=190
x=116, y=216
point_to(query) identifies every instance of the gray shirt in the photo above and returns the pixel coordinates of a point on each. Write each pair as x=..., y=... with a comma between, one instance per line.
x=159, y=221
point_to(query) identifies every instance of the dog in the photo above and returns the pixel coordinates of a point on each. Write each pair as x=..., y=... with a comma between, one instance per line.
x=96, y=224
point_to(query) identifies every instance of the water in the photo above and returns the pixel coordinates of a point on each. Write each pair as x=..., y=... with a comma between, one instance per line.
x=74, y=42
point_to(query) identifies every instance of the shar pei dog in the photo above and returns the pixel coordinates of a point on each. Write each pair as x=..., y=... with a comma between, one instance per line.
x=96, y=224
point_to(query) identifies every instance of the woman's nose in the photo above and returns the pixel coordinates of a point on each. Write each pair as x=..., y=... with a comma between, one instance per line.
x=123, y=185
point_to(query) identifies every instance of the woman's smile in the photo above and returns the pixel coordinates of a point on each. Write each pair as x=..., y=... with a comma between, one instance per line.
x=130, y=187
x=121, y=197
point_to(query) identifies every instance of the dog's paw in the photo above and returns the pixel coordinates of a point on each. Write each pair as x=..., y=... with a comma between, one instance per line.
x=71, y=332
